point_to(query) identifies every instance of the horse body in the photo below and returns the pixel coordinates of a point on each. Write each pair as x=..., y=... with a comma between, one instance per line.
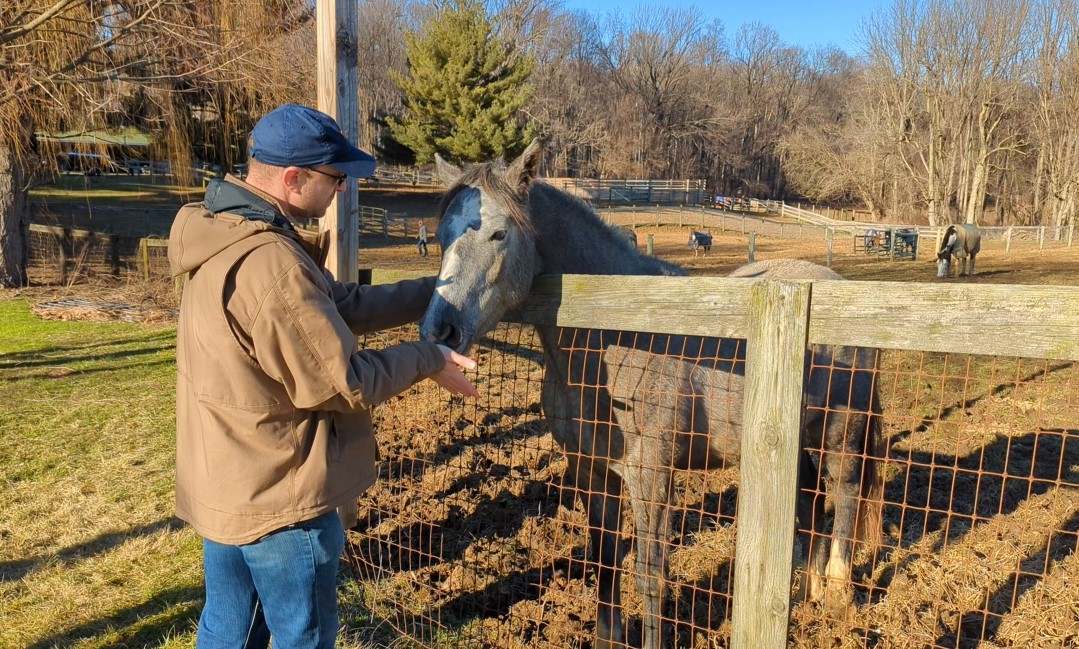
x=699, y=240
x=963, y=242
x=628, y=409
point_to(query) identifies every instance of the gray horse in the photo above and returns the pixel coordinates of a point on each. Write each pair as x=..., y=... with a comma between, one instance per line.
x=627, y=408
x=962, y=242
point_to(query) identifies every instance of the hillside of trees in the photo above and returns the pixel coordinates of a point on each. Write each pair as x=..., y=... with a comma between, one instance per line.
x=955, y=110
x=950, y=110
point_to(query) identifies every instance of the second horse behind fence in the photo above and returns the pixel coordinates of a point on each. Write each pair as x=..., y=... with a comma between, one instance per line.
x=629, y=409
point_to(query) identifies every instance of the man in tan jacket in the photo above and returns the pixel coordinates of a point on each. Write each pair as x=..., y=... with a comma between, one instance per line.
x=274, y=397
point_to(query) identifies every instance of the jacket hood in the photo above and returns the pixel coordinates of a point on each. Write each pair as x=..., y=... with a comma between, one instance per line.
x=230, y=212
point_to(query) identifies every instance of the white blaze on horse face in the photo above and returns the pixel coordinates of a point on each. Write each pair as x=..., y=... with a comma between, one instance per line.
x=472, y=293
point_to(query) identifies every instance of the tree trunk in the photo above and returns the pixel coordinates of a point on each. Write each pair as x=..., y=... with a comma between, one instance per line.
x=14, y=219
x=978, y=182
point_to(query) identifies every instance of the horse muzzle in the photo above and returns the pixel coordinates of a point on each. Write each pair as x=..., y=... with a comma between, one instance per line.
x=448, y=334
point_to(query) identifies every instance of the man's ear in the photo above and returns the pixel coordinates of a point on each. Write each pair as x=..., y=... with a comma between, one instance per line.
x=293, y=178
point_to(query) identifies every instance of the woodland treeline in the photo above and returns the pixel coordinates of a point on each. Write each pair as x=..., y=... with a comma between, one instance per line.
x=947, y=110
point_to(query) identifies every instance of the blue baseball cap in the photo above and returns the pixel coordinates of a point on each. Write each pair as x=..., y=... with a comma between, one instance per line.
x=297, y=136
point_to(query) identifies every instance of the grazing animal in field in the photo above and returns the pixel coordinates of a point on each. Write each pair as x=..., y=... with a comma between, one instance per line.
x=962, y=242
x=700, y=241
x=628, y=408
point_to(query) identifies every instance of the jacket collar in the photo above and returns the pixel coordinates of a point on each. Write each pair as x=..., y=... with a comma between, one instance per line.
x=234, y=196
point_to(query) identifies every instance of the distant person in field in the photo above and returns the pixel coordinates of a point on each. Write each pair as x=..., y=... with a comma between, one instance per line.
x=274, y=396
x=421, y=239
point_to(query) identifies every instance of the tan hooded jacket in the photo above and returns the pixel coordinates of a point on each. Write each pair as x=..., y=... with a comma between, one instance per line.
x=273, y=397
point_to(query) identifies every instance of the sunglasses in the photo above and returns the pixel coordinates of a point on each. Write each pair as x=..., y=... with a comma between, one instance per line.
x=340, y=180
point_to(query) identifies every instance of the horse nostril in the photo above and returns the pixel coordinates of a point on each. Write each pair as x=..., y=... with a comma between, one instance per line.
x=449, y=335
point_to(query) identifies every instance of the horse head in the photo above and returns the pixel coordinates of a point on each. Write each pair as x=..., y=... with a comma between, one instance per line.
x=944, y=255
x=489, y=254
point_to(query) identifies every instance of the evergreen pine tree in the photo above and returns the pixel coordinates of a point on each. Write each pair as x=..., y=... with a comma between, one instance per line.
x=464, y=88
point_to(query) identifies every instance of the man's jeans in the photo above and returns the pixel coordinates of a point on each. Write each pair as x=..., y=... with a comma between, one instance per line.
x=284, y=585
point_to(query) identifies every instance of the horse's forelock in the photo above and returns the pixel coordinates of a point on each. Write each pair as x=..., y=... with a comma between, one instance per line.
x=490, y=178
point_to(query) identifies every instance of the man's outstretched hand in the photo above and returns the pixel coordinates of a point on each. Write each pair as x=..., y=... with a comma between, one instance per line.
x=450, y=376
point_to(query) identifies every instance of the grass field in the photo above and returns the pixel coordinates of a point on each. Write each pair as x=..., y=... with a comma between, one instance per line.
x=90, y=553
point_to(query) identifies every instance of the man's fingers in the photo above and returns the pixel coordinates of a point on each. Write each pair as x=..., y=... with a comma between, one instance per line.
x=463, y=361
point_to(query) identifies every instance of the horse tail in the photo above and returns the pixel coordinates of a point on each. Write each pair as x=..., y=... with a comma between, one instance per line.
x=872, y=484
x=874, y=453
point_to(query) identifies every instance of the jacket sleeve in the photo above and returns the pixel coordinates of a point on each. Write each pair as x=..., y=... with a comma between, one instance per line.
x=368, y=308
x=302, y=341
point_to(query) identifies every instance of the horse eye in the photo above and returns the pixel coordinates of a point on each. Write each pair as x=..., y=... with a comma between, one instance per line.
x=499, y=235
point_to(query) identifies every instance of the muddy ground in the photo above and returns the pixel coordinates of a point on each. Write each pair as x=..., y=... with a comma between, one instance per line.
x=469, y=539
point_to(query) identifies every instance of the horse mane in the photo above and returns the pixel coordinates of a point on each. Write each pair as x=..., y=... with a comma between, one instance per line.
x=555, y=213
x=490, y=178
x=948, y=232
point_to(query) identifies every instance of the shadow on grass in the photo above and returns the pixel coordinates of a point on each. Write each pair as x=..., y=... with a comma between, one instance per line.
x=51, y=356
x=167, y=613
x=16, y=570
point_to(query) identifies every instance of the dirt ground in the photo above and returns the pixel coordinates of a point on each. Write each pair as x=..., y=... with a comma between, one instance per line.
x=470, y=540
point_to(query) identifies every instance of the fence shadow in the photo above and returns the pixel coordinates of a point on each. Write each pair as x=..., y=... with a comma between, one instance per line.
x=16, y=570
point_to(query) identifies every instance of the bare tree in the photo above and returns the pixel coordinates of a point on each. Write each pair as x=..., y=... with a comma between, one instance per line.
x=841, y=151
x=1055, y=112
x=69, y=64
x=571, y=101
x=656, y=59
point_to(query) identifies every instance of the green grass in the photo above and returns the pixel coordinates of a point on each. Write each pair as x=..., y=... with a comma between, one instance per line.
x=111, y=190
x=90, y=553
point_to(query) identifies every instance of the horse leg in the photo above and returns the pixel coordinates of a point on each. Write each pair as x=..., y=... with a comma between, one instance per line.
x=601, y=491
x=649, y=490
x=810, y=507
x=972, y=264
x=841, y=466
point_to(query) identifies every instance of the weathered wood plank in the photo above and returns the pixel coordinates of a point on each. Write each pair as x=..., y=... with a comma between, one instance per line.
x=1031, y=321
x=778, y=330
x=993, y=319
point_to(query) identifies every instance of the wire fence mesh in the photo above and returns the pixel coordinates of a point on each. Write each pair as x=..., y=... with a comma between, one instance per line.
x=475, y=536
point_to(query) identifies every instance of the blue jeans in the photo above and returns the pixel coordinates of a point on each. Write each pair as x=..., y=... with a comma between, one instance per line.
x=283, y=585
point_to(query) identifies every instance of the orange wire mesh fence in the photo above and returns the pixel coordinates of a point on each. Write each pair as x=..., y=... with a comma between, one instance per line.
x=478, y=533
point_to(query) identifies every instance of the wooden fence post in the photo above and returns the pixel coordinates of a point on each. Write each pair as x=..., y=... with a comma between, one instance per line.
x=66, y=243
x=114, y=254
x=777, y=334
x=651, y=244
x=1041, y=237
x=1007, y=240
x=752, y=246
x=1071, y=232
x=144, y=255
x=830, y=235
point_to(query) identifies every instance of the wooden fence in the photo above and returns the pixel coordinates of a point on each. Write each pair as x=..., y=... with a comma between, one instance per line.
x=779, y=318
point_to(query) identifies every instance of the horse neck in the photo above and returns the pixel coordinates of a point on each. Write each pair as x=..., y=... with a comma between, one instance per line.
x=572, y=239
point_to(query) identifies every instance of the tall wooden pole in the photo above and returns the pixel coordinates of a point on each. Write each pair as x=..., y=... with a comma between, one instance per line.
x=337, y=86
x=337, y=97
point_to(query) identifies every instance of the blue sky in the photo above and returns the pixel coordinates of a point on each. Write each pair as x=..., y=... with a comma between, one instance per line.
x=798, y=22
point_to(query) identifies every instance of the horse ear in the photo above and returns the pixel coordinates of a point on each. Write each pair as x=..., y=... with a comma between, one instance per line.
x=448, y=173
x=524, y=168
